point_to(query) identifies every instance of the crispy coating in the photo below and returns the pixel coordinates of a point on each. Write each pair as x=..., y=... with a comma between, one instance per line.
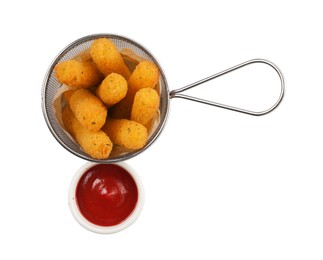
x=112, y=89
x=146, y=75
x=145, y=106
x=68, y=120
x=88, y=109
x=107, y=57
x=96, y=144
x=78, y=74
x=67, y=95
x=126, y=133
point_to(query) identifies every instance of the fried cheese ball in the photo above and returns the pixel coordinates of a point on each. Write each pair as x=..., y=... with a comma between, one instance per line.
x=88, y=109
x=107, y=57
x=112, y=89
x=145, y=75
x=145, y=106
x=78, y=74
x=96, y=144
x=126, y=133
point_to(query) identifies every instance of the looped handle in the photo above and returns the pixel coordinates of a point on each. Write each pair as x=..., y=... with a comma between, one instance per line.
x=176, y=93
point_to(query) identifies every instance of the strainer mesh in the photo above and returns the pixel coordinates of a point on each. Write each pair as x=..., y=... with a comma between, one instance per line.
x=51, y=86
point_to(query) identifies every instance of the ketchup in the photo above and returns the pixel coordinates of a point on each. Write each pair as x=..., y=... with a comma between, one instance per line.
x=106, y=194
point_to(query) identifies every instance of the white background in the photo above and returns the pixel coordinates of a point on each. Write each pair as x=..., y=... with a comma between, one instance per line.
x=219, y=184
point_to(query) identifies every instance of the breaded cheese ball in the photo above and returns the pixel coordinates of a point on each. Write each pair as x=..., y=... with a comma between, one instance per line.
x=126, y=133
x=145, y=106
x=145, y=75
x=78, y=74
x=96, y=144
x=88, y=109
x=107, y=57
x=112, y=89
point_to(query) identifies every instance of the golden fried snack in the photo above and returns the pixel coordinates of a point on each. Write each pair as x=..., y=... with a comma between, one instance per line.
x=68, y=120
x=126, y=133
x=122, y=110
x=107, y=57
x=112, y=89
x=96, y=144
x=145, y=106
x=67, y=94
x=146, y=75
x=88, y=109
x=78, y=74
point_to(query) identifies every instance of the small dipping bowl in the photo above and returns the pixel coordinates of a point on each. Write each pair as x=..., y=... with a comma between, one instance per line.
x=106, y=198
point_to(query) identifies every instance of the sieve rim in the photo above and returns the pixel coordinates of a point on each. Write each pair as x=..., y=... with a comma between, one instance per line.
x=50, y=69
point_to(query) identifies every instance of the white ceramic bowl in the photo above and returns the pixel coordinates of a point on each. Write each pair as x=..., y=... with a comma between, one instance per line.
x=72, y=200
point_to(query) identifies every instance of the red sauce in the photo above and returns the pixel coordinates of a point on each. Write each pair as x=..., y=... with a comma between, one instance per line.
x=106, y=194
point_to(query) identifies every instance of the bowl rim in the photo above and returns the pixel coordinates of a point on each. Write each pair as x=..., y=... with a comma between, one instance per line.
x=102, y=229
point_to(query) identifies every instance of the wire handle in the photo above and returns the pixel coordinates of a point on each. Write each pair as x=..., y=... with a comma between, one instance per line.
x=176, y=93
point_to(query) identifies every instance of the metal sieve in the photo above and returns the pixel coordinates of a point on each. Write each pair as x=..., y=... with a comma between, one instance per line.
x=51, y=86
